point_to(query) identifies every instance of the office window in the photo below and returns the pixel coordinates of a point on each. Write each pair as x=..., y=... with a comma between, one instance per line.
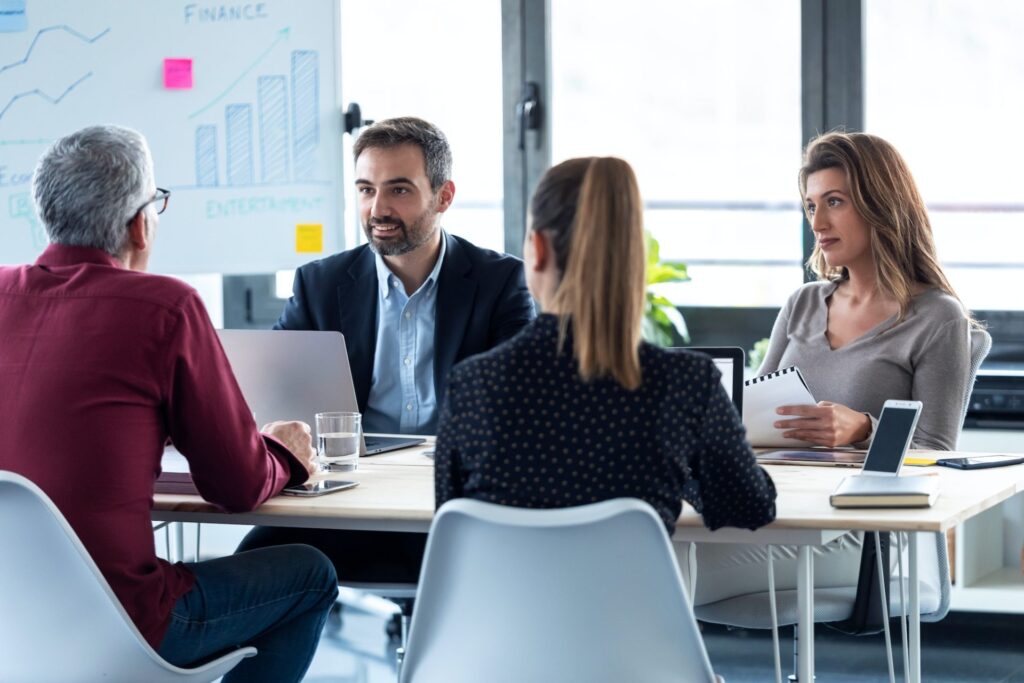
x=440, y=62
x=703, y=99
x=942, y=84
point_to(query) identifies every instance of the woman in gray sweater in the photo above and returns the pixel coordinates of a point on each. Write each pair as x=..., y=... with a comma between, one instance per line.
x=881, y=323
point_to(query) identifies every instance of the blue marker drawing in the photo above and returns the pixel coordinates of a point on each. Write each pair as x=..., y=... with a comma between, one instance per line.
x=281, y=35
x=39, y=93
x=44, y=31
x=25, y=141
x=19, y=205
x=206, y=156
x=305, y=112
x=272, y=93
x=259, y=133
x=238, y=133
x=12, y=16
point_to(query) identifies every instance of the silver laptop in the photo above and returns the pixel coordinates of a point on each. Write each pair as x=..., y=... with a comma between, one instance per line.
x=293, y=375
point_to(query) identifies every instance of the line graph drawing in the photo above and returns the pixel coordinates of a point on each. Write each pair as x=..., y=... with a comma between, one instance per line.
x=283, y=34
x=39, y=93
x=25, y=141
x=50, y=29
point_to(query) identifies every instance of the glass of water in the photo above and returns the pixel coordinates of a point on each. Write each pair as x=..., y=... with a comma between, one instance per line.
x=338, y=440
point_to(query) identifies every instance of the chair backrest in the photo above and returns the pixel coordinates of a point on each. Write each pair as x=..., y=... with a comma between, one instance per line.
x=981, y=344
x=933, y=576
x=60, y=620
x=590, y=593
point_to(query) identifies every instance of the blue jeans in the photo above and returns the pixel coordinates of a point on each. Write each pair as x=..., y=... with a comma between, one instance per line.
x=275, y=599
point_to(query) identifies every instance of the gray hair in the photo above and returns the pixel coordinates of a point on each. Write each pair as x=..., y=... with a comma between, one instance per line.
x=409, y=130
x=89, y=185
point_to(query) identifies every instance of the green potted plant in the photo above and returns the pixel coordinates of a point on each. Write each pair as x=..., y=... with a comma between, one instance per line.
x=756, y=355
x=663, y=324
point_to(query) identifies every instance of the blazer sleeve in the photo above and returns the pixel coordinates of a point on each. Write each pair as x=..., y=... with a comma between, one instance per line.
x=731, y=488
x=447, y=461
x=295, y=315
x=514, y=309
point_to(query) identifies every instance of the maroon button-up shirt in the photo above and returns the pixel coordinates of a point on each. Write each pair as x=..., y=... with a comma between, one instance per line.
x=98, y=366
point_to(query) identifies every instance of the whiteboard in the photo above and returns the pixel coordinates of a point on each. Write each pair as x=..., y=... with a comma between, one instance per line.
x=251, y=151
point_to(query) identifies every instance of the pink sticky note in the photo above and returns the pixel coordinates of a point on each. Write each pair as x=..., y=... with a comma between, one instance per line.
x=178, y=74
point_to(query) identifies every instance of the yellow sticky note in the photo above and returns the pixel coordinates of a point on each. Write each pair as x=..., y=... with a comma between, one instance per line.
x=920, y=462
x=309, y=238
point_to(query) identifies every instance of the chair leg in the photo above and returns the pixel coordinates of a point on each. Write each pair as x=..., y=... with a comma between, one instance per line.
x=406, y=606
x=179, y=542
x=776, y=652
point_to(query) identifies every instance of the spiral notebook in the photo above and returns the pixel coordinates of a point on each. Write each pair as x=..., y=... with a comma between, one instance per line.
x=762, y=395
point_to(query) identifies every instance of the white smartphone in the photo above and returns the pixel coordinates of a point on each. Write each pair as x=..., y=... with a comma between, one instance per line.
x=892, y=437
x=318, y=488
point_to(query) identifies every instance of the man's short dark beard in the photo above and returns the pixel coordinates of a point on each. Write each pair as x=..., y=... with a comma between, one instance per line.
x=407, y=243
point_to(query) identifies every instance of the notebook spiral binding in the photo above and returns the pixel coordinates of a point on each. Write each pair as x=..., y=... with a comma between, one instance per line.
x=770, y=375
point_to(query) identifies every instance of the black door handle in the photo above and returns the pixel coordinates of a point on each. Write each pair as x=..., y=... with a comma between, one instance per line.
x=528, y=111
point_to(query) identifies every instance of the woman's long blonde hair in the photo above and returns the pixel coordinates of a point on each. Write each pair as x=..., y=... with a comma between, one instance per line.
x=592, y=212
x=885, y=195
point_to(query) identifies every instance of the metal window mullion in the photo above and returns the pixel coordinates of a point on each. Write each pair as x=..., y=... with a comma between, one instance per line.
x=832, y=73
x=526, y=56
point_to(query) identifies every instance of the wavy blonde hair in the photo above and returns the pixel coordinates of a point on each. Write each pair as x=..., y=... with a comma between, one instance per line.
x=885, y=195
x=592, y=212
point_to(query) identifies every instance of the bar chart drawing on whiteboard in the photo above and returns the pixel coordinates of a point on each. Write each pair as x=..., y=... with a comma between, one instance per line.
x=260, y=137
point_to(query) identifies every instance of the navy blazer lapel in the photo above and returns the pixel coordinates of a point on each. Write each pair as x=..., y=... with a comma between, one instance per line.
x=456, y=291
x=357, y=305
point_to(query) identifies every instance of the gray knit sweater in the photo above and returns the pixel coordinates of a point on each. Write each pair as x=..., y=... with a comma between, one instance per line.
x=926, y=357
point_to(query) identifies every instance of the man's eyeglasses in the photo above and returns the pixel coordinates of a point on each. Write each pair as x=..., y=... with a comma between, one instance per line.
x=162, y=196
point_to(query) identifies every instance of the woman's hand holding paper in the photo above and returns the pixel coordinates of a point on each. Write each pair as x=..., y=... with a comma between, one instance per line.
x=824, y=424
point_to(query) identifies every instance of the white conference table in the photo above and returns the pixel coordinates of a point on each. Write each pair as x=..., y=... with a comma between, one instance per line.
x=396, y=493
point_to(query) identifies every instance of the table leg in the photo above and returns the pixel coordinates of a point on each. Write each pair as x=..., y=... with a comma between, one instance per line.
x=178, y=533
x=805, y=614
x=914, y=650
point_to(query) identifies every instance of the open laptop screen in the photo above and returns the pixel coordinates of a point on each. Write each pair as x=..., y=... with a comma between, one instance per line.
x=729, y=360
x=295, y=374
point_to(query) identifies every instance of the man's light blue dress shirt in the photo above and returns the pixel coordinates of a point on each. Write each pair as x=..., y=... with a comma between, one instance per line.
x=402, y=398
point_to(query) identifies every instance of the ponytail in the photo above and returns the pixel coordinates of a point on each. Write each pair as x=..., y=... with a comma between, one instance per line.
x=603, y=272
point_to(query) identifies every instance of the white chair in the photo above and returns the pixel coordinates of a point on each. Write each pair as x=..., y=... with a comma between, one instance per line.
x=981, y=344
x=60, y=620
x=587, y=594
x=835, y=603
x=398, y=596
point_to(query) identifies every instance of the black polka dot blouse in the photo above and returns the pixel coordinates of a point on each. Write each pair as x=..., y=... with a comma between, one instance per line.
x=519, y=427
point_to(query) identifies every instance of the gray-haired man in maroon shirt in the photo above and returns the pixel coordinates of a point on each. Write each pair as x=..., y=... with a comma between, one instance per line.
x=99, y=364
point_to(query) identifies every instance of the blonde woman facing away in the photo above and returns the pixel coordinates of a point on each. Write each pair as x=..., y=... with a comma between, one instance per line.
x=882, y=322
x=576, y=408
